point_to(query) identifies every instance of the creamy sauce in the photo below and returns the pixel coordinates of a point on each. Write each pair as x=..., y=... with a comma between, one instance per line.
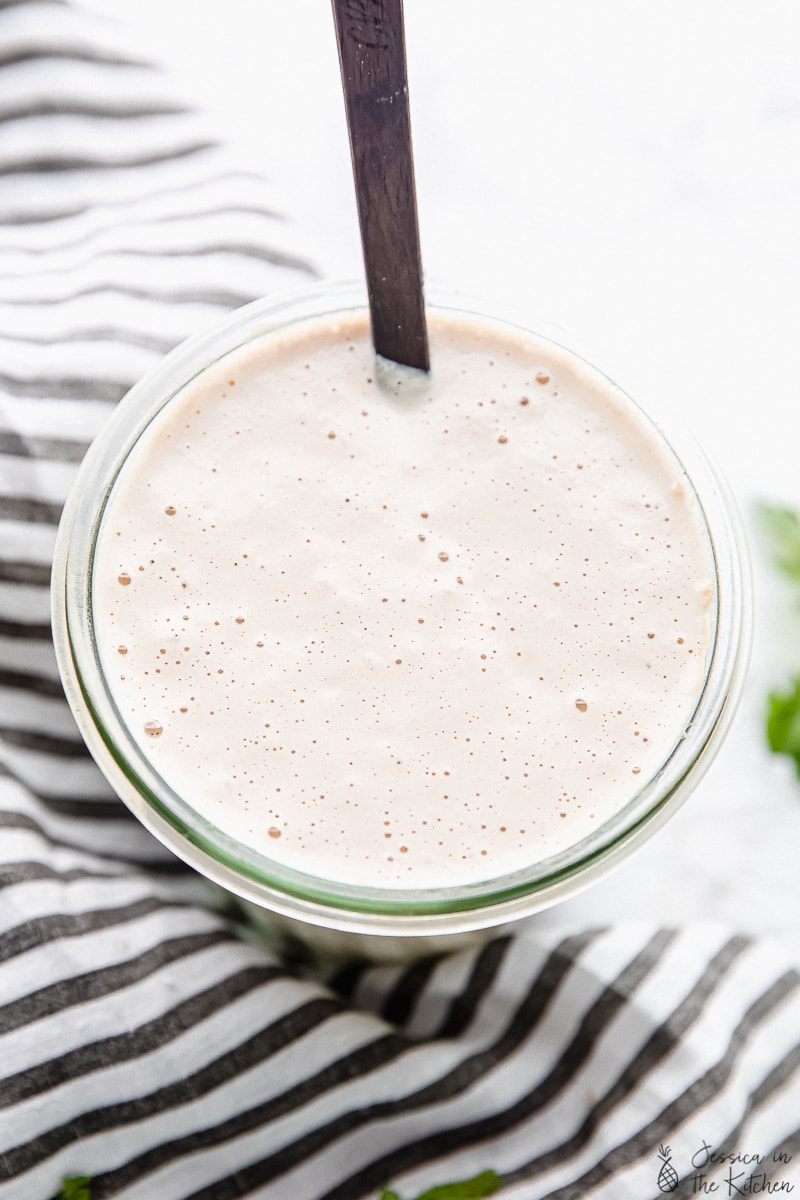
x=397, y=629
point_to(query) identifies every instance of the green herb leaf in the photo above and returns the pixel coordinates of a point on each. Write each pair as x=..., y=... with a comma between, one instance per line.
x=76, y=1187
x=783, y=529
x=783, y=723
x=485, y=1184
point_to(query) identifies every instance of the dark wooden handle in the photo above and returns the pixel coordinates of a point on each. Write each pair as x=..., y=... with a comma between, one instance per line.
x=372, y=56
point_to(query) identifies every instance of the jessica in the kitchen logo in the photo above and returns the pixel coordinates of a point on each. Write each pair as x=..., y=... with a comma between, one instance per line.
x=724, y=1173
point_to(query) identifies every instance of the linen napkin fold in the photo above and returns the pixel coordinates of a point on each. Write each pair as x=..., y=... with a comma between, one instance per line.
x=143, y=1041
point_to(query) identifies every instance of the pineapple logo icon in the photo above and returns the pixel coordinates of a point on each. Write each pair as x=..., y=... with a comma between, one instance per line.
x=667, y=1176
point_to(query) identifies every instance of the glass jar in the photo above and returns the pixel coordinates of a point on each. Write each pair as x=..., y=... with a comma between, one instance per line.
x=395, y=916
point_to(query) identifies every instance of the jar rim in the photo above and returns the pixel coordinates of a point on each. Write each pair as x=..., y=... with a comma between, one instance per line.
x=398, y=911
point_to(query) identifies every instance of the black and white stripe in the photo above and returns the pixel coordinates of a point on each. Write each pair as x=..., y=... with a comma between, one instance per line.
x=143, y=1041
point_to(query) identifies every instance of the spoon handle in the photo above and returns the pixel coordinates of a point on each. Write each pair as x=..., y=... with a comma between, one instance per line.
x=372, y=57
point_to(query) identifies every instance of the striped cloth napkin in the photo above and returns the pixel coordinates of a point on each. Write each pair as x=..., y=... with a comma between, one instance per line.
x=146, y=1044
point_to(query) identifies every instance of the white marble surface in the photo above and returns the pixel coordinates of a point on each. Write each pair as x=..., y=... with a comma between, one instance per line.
x=631, y=172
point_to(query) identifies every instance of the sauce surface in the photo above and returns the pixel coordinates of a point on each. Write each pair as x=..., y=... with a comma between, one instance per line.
x=404, y=630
